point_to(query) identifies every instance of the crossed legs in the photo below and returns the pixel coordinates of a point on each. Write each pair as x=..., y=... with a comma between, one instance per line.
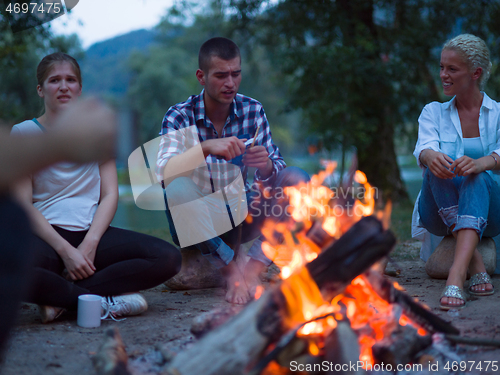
x=468, y=207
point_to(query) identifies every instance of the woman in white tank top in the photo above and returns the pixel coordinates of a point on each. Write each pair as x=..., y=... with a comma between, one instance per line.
x=71, y=207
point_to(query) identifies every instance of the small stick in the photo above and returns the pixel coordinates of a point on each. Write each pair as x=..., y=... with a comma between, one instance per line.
x=472, y=340
x=255, y=136
x=282, y=344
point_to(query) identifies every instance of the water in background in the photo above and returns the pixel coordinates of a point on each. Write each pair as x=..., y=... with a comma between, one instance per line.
x=129, y=216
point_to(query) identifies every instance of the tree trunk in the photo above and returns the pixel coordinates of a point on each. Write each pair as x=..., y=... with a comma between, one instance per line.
x=378, y=161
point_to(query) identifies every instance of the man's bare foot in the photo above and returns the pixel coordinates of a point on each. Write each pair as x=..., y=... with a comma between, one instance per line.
x=237, y=291
x=252, y=272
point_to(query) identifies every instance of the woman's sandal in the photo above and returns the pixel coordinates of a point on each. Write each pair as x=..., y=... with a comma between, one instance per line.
x=478, y=279
x=452, y=291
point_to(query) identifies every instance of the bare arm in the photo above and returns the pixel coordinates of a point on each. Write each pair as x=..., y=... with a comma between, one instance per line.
x=78, y=266
x=23, y=155
x=105, y=211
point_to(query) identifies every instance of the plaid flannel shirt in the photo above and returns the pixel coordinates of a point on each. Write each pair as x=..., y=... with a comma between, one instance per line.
x=246, y=114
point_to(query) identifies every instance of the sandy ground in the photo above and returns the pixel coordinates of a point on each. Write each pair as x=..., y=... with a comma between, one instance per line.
x=62, y=347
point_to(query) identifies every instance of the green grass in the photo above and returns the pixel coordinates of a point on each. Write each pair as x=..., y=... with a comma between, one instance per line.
x=401, y=221
x=401, y=227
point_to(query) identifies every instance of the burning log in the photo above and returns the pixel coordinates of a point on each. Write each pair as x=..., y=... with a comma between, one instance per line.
x=236, y=346
x=357, y=250
x=206, y=322
x=341, y=347
x=386, y=290
x=401, y=346
x=111, y=358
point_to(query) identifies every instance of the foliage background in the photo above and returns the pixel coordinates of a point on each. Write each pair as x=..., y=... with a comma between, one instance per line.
x=334, y=76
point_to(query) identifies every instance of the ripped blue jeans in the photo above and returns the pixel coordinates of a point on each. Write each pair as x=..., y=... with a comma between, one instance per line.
x=468, y=202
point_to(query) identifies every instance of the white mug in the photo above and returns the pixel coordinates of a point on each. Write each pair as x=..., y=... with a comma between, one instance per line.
x=90, y=308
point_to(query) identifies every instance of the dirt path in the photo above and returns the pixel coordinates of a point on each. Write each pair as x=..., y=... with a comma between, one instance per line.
x=64, y=348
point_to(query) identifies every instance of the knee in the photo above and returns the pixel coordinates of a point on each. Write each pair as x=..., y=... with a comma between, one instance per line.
x=429, y=177
x=291, y=176
x=478, y=179
x=182, y=190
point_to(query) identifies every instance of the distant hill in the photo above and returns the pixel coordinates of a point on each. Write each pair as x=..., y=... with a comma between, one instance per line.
x=104, y=68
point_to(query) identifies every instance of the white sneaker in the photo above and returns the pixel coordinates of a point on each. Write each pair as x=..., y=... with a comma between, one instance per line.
x=127, y=304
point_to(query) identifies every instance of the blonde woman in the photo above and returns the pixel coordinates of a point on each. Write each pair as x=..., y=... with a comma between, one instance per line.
x=458, y=147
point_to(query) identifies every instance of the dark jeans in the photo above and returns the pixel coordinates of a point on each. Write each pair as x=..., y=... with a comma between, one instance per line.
x=15, y=258
x=260, y=206
x=126, y=262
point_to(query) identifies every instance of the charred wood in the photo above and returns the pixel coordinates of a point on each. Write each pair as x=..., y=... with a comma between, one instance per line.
x=111, y=359
x=401, y=346
x=209, y=320
x=341, y=347
x=472, y=340
x=415, y=311
x=361, y=246
x=236, y=346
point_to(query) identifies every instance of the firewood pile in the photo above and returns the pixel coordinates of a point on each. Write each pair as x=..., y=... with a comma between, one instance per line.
x=277, y=335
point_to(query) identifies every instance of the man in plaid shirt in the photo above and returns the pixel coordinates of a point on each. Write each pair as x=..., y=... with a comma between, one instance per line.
x=216, y=124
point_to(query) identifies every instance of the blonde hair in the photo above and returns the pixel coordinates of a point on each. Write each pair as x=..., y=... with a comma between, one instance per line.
x=474, y=52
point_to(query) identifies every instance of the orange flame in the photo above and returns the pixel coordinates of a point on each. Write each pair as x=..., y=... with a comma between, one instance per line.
x=258, y=291
x=310, y=203
x=368, y=313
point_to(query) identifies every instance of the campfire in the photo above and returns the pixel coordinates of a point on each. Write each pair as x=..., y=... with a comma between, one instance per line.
x=332, y=305
x=331, y=311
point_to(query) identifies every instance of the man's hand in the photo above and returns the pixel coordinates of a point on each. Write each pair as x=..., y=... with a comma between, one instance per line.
x=465, y=165
x=258, y=157
x=228, y=148
x=438, y=163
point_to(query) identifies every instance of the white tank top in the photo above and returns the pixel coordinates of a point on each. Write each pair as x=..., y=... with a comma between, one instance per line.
x=67, y=194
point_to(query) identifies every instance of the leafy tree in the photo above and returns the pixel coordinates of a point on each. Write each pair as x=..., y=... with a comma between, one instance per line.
x=165, y=75
x=161, y=78
x=20, y=54
x=361, y=70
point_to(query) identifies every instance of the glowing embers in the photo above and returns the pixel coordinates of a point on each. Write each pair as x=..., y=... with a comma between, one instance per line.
x=294, y=243
x=371, y=317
